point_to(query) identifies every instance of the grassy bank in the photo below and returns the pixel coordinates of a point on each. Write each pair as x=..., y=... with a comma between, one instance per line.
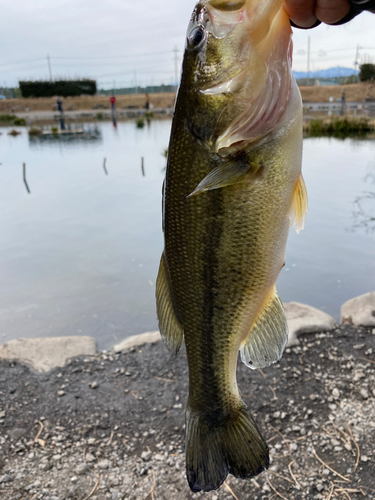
x=84, y=103
x=338, y=127
x=355, y=92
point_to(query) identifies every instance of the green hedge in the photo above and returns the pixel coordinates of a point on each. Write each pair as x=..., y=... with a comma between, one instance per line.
x=367, y=72
x=63, y=88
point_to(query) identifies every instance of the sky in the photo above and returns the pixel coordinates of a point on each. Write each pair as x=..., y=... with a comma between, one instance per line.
x=126, y=42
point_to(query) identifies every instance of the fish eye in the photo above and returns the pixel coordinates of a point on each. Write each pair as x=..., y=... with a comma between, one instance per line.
x=196, y=37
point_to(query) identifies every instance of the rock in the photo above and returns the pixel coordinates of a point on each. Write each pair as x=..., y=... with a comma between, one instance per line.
x=94, y=385
x=137, y=340
x=358, y=375
x=359, y=310
x=6, y=479
x=336, y=393
x=146, y=455
x=127, y=479
x=90, y=457
x=104, y=464
x=44, y=354
x=60, y=393
x=305, y=319
x=364, y=393
x=45, y=466
x=81, y=469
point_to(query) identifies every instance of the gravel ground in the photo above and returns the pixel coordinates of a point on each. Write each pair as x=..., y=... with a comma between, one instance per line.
x=111, y=426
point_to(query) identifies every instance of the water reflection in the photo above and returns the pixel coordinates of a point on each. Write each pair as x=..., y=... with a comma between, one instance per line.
x=364, y=211
x=114, y=118
x=68, y=135
x=364, y=214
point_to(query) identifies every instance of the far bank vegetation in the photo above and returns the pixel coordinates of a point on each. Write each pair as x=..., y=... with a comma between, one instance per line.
x=339, y=127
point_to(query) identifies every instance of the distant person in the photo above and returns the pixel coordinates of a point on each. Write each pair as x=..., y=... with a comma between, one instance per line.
x=60, y=105
x=147, y=103
x=113, y=103
x=343, y=101
x=309, y=14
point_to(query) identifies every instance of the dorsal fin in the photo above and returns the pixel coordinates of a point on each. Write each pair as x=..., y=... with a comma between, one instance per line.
x=299, y=205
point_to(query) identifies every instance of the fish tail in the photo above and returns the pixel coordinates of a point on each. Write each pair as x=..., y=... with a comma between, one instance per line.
x=213, y=450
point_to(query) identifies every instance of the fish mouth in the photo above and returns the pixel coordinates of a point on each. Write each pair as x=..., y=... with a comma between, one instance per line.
x=224, y=17
x=260, y=79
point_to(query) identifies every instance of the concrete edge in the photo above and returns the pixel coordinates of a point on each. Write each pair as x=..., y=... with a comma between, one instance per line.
x=138, y=340
x=46, y=353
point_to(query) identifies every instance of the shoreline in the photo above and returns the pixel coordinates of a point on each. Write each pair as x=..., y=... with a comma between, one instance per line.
x=43, y=354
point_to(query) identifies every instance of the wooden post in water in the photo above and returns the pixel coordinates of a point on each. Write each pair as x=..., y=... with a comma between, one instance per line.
x=24, y=177
x=104, y=162
x=143, y=166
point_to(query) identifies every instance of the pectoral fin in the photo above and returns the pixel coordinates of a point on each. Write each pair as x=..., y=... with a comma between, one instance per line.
x=170, y=328
x=225, y=175
x=300, y=205
x=268, y=336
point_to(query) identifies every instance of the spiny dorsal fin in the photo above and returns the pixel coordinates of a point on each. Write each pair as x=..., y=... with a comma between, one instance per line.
x=268, y=335
x=300, y=205
x=170, y=328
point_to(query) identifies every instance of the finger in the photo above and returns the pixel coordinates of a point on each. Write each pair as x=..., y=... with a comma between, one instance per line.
x=301, y=13
x=331, y=11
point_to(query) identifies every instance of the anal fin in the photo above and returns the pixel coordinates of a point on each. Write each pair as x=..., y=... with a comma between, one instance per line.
x=170, y=328
x=268, y=336
x=300, y=205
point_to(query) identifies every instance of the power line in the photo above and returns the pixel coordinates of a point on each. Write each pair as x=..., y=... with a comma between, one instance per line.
x=22, y=62
x=112, y=57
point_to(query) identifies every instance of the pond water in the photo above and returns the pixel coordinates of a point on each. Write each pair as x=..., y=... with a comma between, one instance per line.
x=79, y=254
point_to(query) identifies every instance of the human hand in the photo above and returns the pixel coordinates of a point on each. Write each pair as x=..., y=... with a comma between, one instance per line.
x=306, y=13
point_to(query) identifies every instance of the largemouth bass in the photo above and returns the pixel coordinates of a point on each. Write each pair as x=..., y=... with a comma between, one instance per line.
x=233, y=187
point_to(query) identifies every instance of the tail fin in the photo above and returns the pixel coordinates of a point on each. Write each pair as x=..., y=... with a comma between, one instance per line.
x=213, y=450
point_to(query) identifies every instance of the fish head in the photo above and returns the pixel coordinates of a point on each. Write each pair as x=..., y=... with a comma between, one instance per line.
x=236, y=76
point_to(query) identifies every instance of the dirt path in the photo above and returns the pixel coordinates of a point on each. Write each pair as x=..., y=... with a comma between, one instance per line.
x=112, y=425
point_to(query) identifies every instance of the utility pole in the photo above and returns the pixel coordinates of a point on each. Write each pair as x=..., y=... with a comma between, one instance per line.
x=176, y=66
x=135, y=80
x=308, y=61
x=49, y=68
x=356, y=58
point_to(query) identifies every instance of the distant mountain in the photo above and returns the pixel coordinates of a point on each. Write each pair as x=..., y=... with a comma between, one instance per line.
x=335, y=72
